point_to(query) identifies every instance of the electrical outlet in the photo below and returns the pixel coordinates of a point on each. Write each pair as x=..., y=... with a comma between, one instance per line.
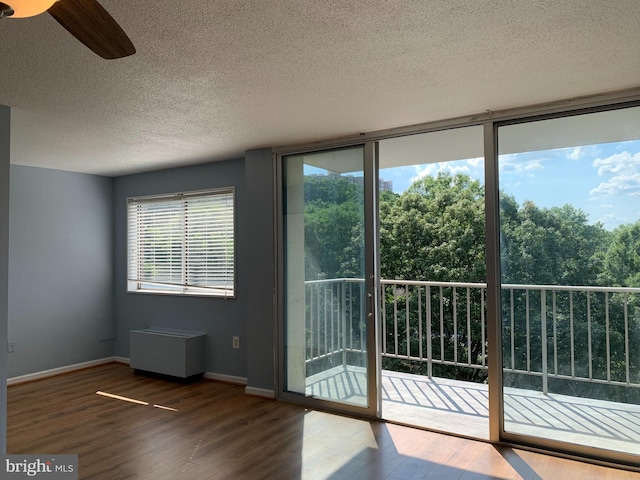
x=236, y=342
x=11, y=347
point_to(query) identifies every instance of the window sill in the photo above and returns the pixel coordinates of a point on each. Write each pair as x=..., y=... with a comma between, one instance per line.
x=181, y=294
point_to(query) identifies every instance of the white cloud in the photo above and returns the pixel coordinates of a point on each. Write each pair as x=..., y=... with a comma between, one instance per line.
x=476, y=162
x=433, y=169
x=624, y=144
x=455, y=168
x=518, y=164
x=533, y=165
x=422, y=171
x=612, y=220
x=623, y=170
x=624, y=184
x=618, y=161
x=612, y=216
x=582, y=151
x=575, y=154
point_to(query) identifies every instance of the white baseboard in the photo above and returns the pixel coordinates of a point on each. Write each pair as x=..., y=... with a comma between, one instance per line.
x=260, y=392
x=57, y=371
x=221, y=377
x=256, y=392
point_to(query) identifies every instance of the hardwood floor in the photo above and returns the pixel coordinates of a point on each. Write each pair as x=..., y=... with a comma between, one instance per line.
x=210, y=430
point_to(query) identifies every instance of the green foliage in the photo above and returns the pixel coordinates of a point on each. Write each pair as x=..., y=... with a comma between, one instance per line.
x=435, y=231
x=555, y=246
x=622, y=257
x=334, y=219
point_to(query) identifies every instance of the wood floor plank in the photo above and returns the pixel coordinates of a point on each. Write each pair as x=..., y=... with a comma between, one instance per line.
x=209, y=430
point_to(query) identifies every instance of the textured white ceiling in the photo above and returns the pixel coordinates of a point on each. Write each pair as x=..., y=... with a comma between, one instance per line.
x=214, y=78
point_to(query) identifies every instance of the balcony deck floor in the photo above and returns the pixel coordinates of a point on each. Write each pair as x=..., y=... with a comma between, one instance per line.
x=462, y=408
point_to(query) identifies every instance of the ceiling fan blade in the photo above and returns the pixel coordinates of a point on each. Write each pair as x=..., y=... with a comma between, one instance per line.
x=90, y=23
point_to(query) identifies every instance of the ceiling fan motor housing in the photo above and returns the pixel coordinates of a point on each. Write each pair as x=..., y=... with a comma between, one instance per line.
x=5, y=10
x=27, y=8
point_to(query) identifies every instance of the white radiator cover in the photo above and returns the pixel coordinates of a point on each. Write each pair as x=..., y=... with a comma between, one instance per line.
x=178, y=353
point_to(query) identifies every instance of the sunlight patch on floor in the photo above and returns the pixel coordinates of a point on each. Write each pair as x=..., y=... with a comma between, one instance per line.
x=133, y=400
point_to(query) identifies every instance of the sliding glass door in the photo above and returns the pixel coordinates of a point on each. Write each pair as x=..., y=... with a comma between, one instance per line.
x=330, y=280
x=504, y=302
x=570, y=280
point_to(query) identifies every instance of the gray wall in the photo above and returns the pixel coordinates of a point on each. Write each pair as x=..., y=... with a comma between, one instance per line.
x=220, y=318
x=67, y=299
x=60, y=269
x=259, y=218
x=63, y=258
x=5, y=124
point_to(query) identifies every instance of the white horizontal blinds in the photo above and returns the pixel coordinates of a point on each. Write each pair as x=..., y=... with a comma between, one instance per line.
x=209, y=245
x=182, y=243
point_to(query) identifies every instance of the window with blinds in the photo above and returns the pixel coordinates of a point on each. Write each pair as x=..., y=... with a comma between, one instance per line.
x=182, y=243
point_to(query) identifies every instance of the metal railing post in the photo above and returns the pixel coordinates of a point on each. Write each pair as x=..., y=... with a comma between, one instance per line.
x=543, y=339
x=429, y=340
x=342, y=336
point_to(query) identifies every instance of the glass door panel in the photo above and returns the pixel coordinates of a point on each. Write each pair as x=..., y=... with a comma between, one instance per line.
x=570, y=273
x=432, y=256
x=326, y=312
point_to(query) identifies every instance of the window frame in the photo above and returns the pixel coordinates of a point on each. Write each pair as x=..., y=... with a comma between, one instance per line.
x=135, y=285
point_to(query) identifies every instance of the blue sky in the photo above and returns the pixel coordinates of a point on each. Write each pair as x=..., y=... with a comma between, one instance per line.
x=602, y=180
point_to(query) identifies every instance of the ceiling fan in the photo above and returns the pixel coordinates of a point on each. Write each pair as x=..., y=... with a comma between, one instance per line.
x=86, y=20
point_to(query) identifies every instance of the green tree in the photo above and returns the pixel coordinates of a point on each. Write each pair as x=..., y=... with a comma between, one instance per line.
x=334, y=215
x=434, y=231
x=555, y=246
x=622, y=268
x=622, y=257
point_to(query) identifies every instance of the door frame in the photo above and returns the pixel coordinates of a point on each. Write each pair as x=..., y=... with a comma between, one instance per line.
x=372, y=285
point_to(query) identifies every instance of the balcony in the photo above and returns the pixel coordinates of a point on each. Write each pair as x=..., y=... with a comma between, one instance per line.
x=571, y=360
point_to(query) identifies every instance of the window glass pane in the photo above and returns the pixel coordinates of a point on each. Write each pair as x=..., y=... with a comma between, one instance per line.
x=570, y=255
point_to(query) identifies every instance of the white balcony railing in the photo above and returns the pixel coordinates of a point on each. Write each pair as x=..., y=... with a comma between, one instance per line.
x=550, y=332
